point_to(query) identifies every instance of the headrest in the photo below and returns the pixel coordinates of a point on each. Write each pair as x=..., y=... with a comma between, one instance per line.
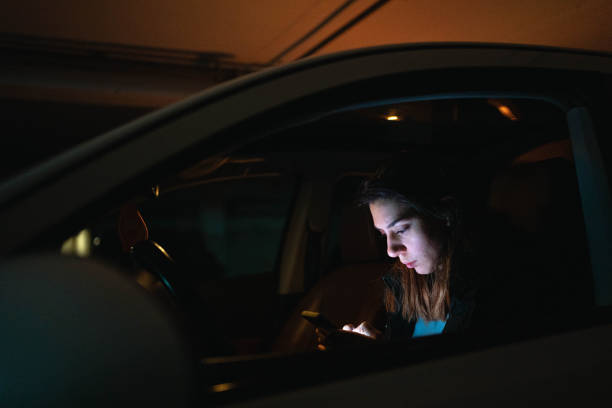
x=537, y=195
x=357, y=240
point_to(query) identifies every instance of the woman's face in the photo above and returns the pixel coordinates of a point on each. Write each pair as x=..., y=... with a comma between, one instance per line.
x=408, y=238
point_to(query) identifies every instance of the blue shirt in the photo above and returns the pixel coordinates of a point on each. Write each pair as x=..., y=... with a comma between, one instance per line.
x=428, y=328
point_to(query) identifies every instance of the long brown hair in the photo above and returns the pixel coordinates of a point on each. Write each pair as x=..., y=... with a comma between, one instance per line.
x=424, y=189
x=424, y=296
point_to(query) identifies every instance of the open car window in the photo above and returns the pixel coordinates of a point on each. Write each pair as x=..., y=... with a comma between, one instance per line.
x=271, y=228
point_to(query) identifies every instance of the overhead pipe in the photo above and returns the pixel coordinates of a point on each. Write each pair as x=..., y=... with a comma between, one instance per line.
x=312, y=32
x=345, y=27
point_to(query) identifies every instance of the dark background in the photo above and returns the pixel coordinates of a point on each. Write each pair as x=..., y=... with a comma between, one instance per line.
x=72, y=70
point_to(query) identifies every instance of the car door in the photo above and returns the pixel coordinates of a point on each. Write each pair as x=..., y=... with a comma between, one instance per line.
x=271, y=112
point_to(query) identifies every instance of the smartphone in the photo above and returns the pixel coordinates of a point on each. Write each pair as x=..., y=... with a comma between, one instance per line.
x=320, y=321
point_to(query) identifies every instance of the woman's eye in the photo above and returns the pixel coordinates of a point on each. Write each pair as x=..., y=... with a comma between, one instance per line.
x=404, y=229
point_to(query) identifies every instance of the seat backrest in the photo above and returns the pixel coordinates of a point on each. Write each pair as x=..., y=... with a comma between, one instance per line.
x=357, y=240
x=540, y=261
x=350, y=293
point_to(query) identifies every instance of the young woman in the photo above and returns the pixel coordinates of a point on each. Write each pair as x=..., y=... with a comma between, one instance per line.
x=431, y=288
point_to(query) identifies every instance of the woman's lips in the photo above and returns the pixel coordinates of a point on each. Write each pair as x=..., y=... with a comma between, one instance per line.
x=410, y=264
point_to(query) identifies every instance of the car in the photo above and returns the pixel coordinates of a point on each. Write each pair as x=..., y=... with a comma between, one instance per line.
x=167, y=262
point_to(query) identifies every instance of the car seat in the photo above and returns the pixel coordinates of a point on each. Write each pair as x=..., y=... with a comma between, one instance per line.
x=350, y=293
x=538, y=257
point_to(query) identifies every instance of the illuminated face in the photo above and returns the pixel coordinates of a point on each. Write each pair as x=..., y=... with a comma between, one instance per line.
x=407, y=236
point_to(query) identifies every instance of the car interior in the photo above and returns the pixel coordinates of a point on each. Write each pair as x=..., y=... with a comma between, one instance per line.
x=239, y=244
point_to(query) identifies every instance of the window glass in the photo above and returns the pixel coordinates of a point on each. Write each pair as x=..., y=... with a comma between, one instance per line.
x=224, y=228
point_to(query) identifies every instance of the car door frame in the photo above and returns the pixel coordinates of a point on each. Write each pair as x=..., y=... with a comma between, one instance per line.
x=84, y=175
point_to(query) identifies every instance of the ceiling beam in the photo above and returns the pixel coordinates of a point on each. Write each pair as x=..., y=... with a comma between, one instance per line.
x=109, y=74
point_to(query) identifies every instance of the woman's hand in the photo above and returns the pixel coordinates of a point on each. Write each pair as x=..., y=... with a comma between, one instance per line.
x=364, y=329
x=348, y=336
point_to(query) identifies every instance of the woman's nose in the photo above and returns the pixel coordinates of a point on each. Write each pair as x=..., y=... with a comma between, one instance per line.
x=394, y=247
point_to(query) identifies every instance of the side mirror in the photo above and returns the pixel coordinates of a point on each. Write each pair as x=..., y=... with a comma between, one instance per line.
x=75, y=332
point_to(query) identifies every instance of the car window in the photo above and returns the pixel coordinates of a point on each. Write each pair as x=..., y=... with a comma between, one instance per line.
x=223, y=228
x=514, y=161
x=271, y=228
x=223, y=232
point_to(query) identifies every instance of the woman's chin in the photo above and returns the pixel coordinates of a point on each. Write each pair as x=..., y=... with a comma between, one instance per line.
x=422, y=271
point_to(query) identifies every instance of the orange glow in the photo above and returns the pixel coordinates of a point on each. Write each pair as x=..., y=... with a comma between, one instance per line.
x=223, y=387
x=504, y=110
x=392, y=117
